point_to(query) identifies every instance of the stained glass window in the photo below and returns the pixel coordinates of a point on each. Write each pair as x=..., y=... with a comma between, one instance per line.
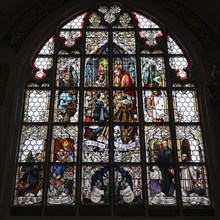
x=111, y=119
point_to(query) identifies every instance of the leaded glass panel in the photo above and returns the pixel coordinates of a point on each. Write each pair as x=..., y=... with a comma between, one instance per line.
x=125, y=106
x=64, y=144
x=95, y=143
x=156, y=51
x=173, y=48
x=48, y=47
x=125, y=73
x=96, y=106
x=110, y=13
x=154, y=136
x=41, y=65
x=126, y=143
x=95, y=40
x=185, y=106
x=69, y=37
x=95, y=20
x=128, y=185
x=95, y=185
x=194, y=185
x=32, y=143
x=36, y=106
x=161, y=188
x=144, y=22
x=76, y=23
x=124, y=20
x=72, y=52
x=125, y=40
x=155, y=105
x=66, y=107
x=111, y=127
x=180, y=65
x=62, y=184
x=96, y=72
x=189, y=141
x=29, y=85
x=29, y=183
x=152, y=37
x=191, y=85
x=68, y=72
x=153, y=72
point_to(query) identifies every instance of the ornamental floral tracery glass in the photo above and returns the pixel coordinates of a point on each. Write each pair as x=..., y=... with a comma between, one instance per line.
x=109, y=116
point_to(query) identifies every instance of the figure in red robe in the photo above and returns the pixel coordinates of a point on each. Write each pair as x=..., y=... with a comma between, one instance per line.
x=123, y=80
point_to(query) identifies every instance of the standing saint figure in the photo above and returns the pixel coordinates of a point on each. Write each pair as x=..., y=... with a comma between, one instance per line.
x=164, y=160
x=67, y=105
x=124, y=98
x=125, y=109
x=187, y=173
x=156, y=106
x=100, y=115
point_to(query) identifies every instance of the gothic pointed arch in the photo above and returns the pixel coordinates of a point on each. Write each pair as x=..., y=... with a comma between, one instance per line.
x=111, y=119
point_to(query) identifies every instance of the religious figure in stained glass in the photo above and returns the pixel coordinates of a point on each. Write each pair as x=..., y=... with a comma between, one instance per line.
x=126, y=137
x=187, y=173
x=193, y=176
x=62, y=184
x=100, y=111
x=193, y=183
x=70, y=77
x=68, y=71
x=125, y=101
x=96, y=106
x=155, y=106
x=164, y=160
x=30, y=181
x=67, y=105
x=64, y=150
x=95, y=142
x=160, y=168
x=155, y=178
x=96, y=72
x=138, y=96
